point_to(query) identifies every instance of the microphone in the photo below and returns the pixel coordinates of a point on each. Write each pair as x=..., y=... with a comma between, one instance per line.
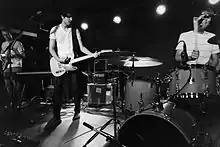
x=184, y=54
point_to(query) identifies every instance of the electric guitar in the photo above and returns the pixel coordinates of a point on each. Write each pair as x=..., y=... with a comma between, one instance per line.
x=58, y=69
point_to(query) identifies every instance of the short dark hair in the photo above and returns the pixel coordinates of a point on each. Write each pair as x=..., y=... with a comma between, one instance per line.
x=67, y=13
x=5, y=30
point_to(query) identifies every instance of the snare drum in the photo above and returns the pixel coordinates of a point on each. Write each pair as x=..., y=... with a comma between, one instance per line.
x=202, y=81
x=139, y=93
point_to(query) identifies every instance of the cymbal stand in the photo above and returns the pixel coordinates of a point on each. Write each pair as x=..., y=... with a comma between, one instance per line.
x=118, y=82
x=114, y=119
x=132, y=68
x=157, y=103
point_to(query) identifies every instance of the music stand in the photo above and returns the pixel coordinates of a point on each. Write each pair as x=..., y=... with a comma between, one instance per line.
x=114, y=119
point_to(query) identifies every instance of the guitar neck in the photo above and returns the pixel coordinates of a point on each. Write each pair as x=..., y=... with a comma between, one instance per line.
x=81, y=59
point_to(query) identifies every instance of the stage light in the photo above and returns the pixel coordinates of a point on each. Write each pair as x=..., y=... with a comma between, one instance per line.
x=213, y=2
x=117, y=19
x=84, y=26
x=161, y=9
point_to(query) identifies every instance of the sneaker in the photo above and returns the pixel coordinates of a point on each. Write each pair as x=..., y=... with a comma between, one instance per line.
x=76, y=116
x=52, y=124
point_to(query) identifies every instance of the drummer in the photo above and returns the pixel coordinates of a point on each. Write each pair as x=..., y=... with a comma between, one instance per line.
x=196, y=49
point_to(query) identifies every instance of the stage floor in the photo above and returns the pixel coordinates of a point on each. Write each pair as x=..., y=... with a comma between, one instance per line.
x=32, y=120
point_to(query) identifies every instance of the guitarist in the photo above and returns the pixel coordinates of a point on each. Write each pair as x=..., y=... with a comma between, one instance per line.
x=196, y=47
x=12, y=65
x=65, y=43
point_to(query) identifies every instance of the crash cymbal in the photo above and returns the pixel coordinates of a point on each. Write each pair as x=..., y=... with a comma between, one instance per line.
x=141, y=62
x=214, y=40
x=112, y=54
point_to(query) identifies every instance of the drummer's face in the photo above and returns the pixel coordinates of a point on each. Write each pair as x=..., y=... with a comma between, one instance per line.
x=204, y=24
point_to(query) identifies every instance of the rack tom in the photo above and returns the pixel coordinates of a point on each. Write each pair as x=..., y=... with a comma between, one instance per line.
x=192, y=81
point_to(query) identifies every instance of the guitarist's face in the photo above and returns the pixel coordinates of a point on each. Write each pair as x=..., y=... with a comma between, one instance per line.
x=67, y=20
x=7, y=35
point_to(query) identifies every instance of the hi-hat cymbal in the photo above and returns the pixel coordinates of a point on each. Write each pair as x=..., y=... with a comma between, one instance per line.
x=214, y=40
x=141, y=62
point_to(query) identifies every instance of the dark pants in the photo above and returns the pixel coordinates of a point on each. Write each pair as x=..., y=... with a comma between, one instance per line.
x=77, y=83
x=13, y=85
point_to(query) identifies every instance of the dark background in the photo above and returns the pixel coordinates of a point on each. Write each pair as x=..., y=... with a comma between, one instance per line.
x=141, y=30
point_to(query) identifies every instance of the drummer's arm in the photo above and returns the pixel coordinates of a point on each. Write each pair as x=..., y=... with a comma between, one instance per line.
x=178, y=55
x=214, y=60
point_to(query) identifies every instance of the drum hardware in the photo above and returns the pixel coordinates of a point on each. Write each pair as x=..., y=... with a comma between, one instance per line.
x=202, y=138
x=114, y=119
x=106, y=135
x=141, y=103
x=158, y=104
x=177, y=86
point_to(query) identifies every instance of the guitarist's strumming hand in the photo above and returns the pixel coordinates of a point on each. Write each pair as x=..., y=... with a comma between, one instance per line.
x=64, y=60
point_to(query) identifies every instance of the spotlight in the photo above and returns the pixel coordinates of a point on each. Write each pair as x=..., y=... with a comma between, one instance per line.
x=84, y=26
x=161, y=9
x=213, y=2
x=117, y=19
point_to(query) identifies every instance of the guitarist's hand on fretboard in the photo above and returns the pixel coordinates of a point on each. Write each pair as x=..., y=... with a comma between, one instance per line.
x=96, y=54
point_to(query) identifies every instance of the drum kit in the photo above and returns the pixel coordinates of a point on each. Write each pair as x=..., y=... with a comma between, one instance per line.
x=185, y=117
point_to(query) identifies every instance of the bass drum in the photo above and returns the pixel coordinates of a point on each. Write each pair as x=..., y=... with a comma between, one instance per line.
x=171, y=128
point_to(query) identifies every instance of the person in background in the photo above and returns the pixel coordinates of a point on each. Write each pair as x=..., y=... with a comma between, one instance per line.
x=12, y=55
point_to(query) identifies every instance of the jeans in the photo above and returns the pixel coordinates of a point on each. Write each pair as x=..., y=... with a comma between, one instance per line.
x=13, y=85
x=76, y=91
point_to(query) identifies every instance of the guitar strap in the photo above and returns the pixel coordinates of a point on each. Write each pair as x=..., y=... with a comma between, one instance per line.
x=76, y=47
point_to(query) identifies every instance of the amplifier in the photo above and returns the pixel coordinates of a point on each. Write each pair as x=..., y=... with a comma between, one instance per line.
x=100, y=77
x=99, y=94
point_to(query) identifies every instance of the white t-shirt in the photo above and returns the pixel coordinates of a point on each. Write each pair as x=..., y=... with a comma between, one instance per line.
x=205, y=48
x=64, y=41
x=18, y=47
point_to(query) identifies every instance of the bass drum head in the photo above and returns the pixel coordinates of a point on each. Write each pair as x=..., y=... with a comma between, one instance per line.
x=153, y=129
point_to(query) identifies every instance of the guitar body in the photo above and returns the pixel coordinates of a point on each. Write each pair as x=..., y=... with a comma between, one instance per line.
x=58, y=69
